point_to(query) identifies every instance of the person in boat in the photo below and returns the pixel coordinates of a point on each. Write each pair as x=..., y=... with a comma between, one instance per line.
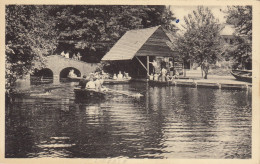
x=126, y=76
x=72, y=74
x=91, y=84
x=120, y=76
x=97, y=84
x=114, y=77
x=83, y=82
x=104, y=75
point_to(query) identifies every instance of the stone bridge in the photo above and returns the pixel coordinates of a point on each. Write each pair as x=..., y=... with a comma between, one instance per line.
x=58, y=63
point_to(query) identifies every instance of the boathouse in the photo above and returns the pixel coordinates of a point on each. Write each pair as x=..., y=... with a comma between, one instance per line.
x=136, y=49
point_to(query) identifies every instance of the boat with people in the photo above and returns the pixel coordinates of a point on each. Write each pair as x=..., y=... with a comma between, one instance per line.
x=88, y=94
x=242, y=75
x=116, y=81
x=120, y=78
x=74, y=79
x=92, y=94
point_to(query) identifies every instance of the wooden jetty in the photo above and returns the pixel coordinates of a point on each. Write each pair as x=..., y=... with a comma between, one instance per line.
x=185, y=83
x=203, y=84
x=207, y=85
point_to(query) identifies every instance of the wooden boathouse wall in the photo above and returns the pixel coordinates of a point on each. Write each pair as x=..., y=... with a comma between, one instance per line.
x=157, y=45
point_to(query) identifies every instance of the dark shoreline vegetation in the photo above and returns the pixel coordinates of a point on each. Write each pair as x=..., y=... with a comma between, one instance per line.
x=36, y=31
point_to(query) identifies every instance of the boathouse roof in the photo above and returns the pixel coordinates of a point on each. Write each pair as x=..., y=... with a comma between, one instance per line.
x=152, y=41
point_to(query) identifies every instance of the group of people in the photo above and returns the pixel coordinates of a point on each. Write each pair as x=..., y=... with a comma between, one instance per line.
x=121, y=76
x=74, y=56
x=160, y=73
x=94, y=82
x=164, y=75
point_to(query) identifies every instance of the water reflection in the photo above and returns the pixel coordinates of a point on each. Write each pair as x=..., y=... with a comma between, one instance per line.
x=167, y=122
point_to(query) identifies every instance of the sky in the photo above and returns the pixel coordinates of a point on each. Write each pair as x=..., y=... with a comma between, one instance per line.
x=181, y=11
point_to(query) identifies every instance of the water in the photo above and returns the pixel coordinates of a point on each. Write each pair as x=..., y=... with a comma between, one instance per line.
x=167, y=122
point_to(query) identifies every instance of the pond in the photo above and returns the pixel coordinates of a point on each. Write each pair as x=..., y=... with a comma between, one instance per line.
x=166, y=122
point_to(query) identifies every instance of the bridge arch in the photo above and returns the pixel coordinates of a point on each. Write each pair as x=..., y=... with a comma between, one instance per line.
x=57, y=64
x=45, y=72
x=40, y=76
x=65, y=72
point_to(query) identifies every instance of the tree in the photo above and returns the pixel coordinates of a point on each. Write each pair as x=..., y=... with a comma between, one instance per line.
x=29, y=37
x=93, y=30
x=35, y=31
x=201, y=40
x=241, y=51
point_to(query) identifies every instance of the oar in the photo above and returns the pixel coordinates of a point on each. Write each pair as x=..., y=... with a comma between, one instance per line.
x=125, y=93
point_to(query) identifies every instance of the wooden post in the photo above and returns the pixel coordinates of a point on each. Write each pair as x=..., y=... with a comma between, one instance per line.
x=141, y=63
x=148, y=65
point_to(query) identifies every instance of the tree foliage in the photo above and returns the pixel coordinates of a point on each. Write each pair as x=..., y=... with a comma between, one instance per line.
x=241, y=51
x=93, y=30
x=34, y=31
x=29, y=37
x=201, y=41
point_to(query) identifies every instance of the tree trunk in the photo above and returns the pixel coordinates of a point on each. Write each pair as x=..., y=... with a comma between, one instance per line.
x=201, y=72
x=206, y=69
x=206, y=74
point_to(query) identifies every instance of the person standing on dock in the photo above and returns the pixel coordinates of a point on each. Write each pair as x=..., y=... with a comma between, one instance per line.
x=155, y=65
x=164, y=72
x=156, y=77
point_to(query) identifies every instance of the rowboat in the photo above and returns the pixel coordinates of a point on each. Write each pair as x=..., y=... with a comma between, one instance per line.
x=87, y=94
x=117, y=81
x=74, y=79
x=91, y=95
x=242, y=75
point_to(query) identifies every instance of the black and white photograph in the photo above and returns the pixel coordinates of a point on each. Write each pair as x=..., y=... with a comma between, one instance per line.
x=121, y=81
